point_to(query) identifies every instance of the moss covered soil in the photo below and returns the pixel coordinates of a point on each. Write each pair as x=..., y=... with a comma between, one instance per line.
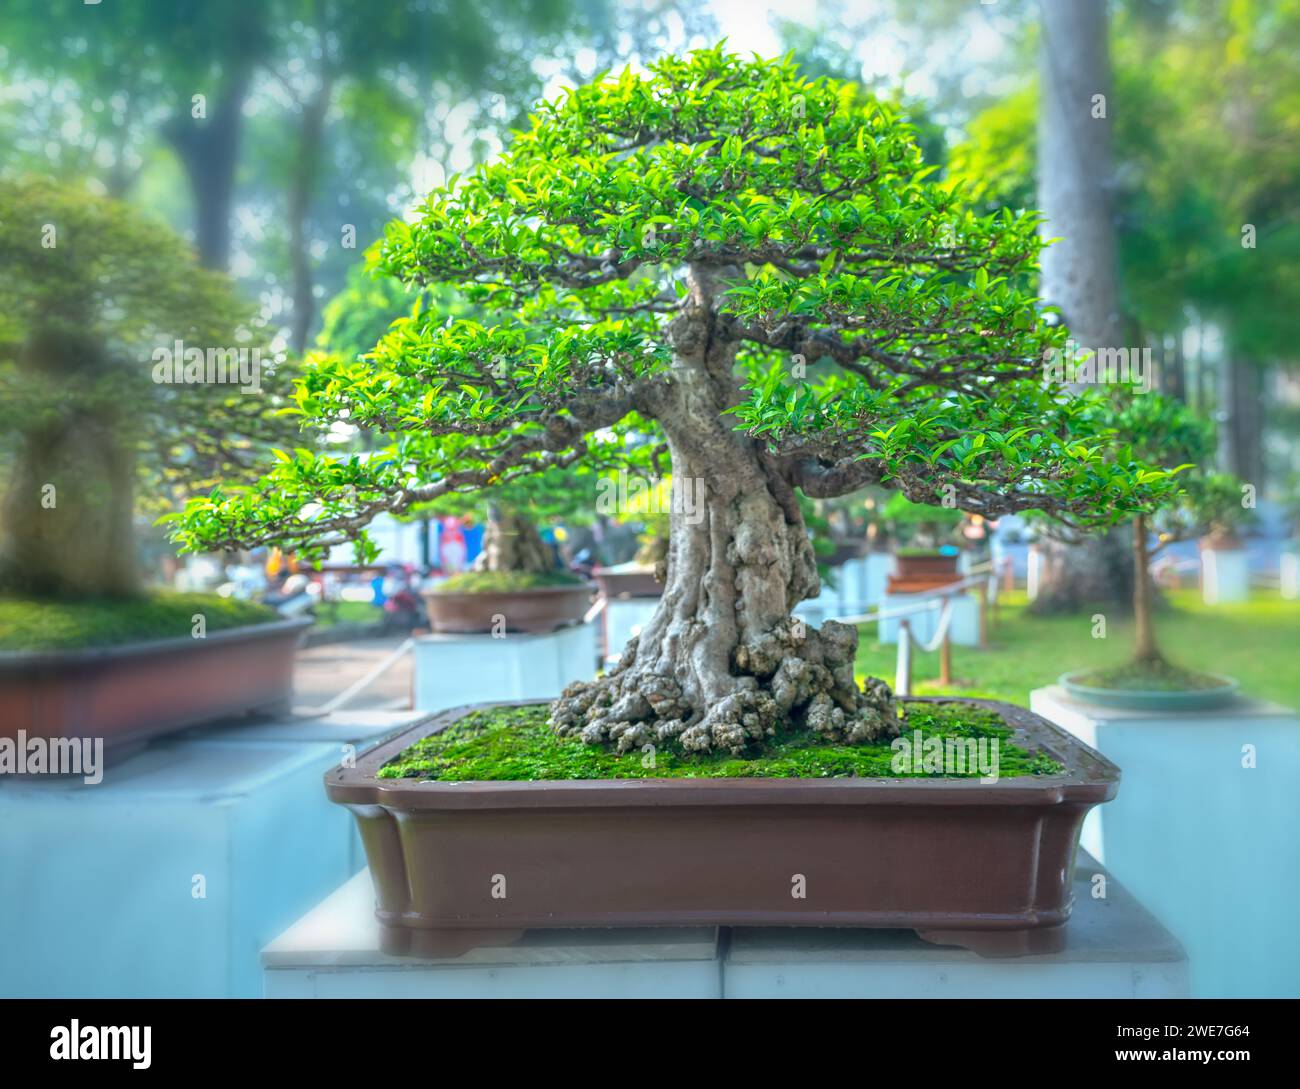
x=504, y=582
x=517, y=743
x=1148, y=677
x=39, y=625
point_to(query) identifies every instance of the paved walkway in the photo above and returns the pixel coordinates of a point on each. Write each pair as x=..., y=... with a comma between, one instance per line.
x=321, y=673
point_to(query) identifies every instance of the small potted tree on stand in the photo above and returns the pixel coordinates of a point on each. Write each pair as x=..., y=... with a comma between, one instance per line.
x=665, y=245
x=125, y=370
x=926, y=559
x=513, y=625
x=1205, y=770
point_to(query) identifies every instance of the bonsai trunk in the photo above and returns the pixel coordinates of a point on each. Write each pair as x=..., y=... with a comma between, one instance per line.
x=66, y=527
x=722, y=664
x=1145, y=650
x=512, y=543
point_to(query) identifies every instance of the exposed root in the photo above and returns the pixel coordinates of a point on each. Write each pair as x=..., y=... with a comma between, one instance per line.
x=792, y=677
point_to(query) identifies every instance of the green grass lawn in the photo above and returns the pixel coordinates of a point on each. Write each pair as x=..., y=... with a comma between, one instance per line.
x=330, y=613
x=1257, y=642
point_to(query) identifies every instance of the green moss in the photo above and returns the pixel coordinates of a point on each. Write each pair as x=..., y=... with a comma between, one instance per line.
x=1149, y=677
x=517, y=743
x=922, y=553
x=33, y=624
x=504, y=582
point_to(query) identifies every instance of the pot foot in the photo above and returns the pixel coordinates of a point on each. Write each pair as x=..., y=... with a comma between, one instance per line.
x=405, y=941
x=1001, y=943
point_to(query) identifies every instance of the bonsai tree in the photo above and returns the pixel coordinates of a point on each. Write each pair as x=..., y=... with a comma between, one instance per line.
x=924, y=527
x=92, y=291
x=514, y=555
x=1165, y=432
x=678, y=245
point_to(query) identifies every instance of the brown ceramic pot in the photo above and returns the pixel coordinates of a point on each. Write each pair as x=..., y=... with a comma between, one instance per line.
x=916, y=574
x=458, y=865
x=544, y=609
x=129, y=694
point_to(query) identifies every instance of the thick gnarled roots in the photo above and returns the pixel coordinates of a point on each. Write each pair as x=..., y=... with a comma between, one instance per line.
x=793, y=677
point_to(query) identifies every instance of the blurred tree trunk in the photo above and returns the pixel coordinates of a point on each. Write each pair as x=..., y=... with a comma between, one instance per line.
x=1080, y=273
x=209, y=150
x=67, y=529
x=306, y=169
x=1241, y=419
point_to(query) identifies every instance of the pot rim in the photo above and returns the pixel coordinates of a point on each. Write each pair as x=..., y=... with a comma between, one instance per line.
x=534, y=591
x=1150, y=698
x=1088, y=778
x=24, y=660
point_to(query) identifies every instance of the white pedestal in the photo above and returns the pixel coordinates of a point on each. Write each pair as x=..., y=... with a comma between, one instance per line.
x=860, y=583
x=1206, y=844
x=97, y=882
x=624, y=618
x=1289, y=570
x=1114, y=949
x=1034, y=572
x=333, y=952
x=451, y=670
x=963, y=629
x=1225, y=576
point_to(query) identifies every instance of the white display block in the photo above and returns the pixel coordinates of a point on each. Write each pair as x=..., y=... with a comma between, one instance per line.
x=333, y=952
x=1114, y=949
x=1205, y=841
x=451, y=670
x=1289, y=572
x=860, y=583
x=1033, y=572
x=98, y=889
x=1225, y=576
x=624, y=618
x=963, y=628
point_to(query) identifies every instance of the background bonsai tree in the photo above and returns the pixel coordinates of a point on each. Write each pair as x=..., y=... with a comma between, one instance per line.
x=1165, y=432
x=921, y=526
x=91, y=289
x=677, y=246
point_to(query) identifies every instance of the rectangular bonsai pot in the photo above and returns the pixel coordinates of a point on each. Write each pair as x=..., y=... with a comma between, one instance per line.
x=131, y=693
x=458, y=865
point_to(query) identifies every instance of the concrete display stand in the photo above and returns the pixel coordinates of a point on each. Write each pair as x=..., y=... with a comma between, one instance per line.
x=100, y=885
x=1115, y=949
x=963, y=628
x=1289, y=575
x=860, y=583
x=451, y=670
x=333, y=952
x=1225, y=576
x=624, y=618
x=1033, y=572
x=1206, y=842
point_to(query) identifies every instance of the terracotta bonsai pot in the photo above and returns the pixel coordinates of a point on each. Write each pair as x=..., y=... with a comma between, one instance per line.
x=989, y=867
x=543, y=609
x=131, y=693
x=628, y=581
x=917, y=574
